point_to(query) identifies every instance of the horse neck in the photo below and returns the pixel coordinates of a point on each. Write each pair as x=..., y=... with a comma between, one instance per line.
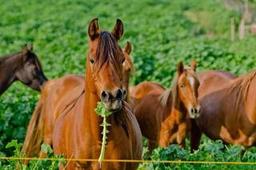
x=174, y=106
x=91, y=119
x=8, y=68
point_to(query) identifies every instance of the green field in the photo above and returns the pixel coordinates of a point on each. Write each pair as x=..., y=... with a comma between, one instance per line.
x=162, y=32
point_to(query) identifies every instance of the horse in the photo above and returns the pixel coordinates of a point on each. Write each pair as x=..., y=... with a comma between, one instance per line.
x=39, y=132
x=128, y=68
x=212, y=79
x=23, y=66
x=103, y=82
x=136, y=93
x=232, y=108
x=163, y=114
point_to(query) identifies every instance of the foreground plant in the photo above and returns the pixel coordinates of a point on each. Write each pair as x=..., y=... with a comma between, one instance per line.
x=101, y=111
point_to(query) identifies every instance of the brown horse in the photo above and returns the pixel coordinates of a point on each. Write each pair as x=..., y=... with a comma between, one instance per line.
x=40, y=131
x=232, y=108
x=128, y=67
x=23, y=66
x=212, y=80
x=163, y=115
x=139, y=91
x=103, y=81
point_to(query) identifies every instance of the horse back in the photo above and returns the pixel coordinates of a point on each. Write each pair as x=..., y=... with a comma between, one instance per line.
x=149, y=113
x=213, y=80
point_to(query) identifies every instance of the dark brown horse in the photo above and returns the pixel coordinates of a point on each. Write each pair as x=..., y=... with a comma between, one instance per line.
x=163, y=115
x=77, y=129
x=24, y=67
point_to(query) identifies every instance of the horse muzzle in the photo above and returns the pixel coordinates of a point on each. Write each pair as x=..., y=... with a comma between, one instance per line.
x=113, y=99
x=194, y=112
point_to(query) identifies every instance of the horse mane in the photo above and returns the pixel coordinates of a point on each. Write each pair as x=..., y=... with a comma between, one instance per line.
x=108, y=50
x=243, y=83
x=163, y=98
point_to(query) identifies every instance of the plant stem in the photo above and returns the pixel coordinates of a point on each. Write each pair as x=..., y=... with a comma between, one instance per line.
x=104, y=139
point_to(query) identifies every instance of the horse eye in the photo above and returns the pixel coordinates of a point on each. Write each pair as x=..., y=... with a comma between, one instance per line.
x=182, y=85
x=91, y=60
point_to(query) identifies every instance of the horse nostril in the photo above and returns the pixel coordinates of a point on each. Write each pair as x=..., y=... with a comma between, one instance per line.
x=193, y=110
x=119, y=94
x=104, y=95
x=124, y=92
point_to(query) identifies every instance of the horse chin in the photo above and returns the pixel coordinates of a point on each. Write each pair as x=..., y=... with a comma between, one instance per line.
x=35, y=85
x=114, y=106
x=194, y=115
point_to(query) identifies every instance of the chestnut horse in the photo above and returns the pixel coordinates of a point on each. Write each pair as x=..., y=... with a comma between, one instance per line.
x=40, y=131
x=232, y=107
x=212, y=80
x=103, y=81
x=128, y=67
x=163, y=115
x=139, y=91
x=23, y=66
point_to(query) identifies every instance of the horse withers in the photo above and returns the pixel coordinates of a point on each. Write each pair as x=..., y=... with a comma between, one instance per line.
x=23, y=66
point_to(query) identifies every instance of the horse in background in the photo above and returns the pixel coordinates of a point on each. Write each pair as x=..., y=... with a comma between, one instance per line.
x=128, y=68
x=103, y=81
x=163, y=115
x=212, y=80
x=232, y=107
x=23, y=66
x=142, y=89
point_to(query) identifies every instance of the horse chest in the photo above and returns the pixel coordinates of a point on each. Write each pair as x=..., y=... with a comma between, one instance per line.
x=118, y=147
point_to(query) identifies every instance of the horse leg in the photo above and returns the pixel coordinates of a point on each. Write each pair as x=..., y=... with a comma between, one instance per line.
x=181, y=135
x=195, y=136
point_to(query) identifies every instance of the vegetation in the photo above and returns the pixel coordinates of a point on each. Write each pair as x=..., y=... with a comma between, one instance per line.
x=162, y=33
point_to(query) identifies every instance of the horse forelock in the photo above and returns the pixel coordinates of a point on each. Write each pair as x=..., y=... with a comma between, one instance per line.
x=108, y=51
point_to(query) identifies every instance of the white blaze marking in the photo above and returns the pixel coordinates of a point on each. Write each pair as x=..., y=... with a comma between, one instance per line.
x=191, y=81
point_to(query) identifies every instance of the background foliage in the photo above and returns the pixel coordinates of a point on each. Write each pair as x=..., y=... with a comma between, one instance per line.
x=162, y=33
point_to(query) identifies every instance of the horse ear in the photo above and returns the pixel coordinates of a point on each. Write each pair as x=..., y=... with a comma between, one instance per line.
x=128, y=48
x=180, y=68
x=93, y=29
x=29, y=47
x=118, y=30
x=193, y=65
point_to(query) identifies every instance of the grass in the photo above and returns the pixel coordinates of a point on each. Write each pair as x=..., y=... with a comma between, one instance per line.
x=162, y=33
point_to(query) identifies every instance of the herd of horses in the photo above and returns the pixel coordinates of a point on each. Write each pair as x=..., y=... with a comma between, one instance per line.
x=216, y=103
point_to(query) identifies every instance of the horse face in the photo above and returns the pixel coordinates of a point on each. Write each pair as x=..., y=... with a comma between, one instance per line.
x=106, y=65
x=188, y=85
x=30, y=71
x=128, y=66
